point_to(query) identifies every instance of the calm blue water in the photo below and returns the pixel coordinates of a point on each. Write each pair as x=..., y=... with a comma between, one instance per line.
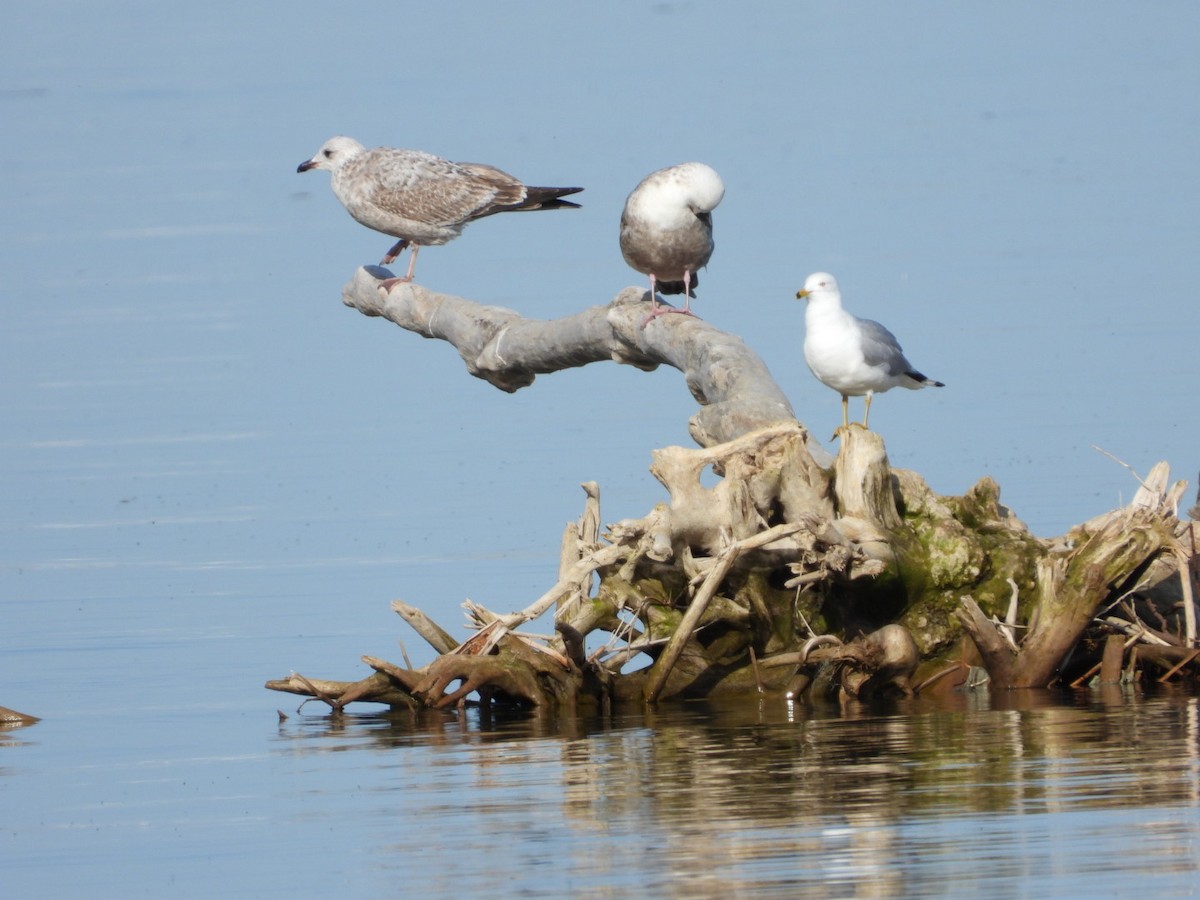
x=211, y=472
x=1045, y=796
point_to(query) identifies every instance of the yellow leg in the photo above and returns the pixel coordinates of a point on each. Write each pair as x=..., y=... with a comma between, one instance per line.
x=845, y=411
x=867, y=411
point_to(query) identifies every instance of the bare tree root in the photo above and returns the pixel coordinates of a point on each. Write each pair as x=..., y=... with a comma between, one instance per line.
x=517, y=672
x=377, y=688
x=1104, y=560
x=771, y=561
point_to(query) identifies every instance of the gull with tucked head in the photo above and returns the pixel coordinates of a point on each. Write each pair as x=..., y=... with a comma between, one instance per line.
x=666, y=229
x=420, y=198
x=854, y=356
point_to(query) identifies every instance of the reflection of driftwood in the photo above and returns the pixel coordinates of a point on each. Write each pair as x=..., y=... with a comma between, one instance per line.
x=750, y=564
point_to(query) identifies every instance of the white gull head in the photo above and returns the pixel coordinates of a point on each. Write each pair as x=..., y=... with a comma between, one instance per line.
x=821, y=286
x=334, y=154
x=669, y=196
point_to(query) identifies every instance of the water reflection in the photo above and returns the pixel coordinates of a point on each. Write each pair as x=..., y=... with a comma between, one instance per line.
x=1007, y=794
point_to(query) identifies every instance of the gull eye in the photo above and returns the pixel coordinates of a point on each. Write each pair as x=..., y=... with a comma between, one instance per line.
x=328, y=154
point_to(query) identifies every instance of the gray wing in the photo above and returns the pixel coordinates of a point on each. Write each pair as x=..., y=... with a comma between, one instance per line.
x=880, y=348
x=429, y=189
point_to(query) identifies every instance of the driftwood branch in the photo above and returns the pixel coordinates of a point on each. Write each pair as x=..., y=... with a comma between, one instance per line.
x=377, y=688
x=10, y=718
x=437, y=637
x=734, y=388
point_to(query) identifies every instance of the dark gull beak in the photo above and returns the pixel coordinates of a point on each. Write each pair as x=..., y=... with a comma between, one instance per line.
x=306, y=165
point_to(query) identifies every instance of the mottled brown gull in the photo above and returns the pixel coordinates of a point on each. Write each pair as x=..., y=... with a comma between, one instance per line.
x=421, y=198
x=666, y=229
x=853, y=356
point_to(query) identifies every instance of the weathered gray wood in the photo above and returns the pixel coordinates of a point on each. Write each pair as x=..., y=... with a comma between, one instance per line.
x=1114, y=655
x=683, y=633
x=437, y=637
x=376, y=688
x=764, y=471
x=998, y=658
x=732, y=385
x=863, y=478
x=1105, y=560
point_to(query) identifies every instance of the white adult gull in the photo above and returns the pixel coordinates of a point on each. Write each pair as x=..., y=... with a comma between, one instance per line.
x=421, y=198
x=854, y=356
x=666, y=229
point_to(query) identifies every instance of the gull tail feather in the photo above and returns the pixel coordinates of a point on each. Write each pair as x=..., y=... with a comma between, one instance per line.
x=548, y=198
x=923, y=380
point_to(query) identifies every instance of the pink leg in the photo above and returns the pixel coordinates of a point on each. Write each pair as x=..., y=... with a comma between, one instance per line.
x=396, y=250
x=388, y=283
x=657, y=310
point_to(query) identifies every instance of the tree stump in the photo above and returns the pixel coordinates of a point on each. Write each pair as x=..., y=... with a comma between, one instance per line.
x=789, y=547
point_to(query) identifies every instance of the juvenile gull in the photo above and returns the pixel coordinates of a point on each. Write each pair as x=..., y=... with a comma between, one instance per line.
x=421, y=198
x=851, y=355
x=666, y=229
